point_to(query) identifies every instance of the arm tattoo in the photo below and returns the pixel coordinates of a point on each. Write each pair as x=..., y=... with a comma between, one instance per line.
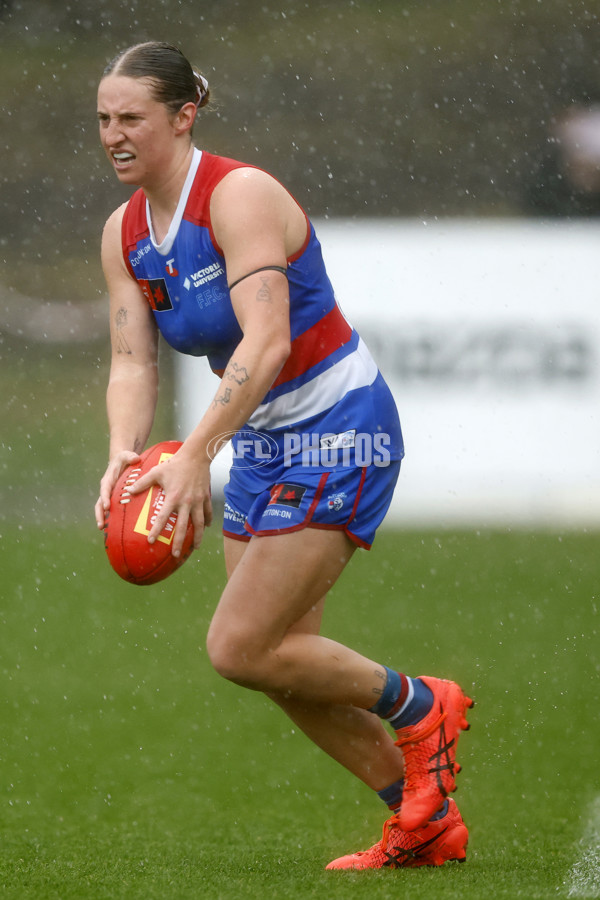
x=264, y=293
x=121, y=322
x=236, y=373
x=233, y=372
x=223, y=399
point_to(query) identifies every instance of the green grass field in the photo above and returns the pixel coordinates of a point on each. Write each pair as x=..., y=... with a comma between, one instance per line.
x=130, y=770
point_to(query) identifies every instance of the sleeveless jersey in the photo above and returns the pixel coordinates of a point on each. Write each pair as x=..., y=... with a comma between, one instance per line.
x=184, y=279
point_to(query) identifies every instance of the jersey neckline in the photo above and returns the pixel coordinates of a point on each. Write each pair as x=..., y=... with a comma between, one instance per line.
x=167, y=243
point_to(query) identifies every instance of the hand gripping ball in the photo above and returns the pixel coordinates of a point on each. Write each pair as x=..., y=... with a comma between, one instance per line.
x=130, y=519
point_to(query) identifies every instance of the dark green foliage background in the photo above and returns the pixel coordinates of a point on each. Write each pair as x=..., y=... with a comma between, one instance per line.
x=387, y=108
x=393, y=108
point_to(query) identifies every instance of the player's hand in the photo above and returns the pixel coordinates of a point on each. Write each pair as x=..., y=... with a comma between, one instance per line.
x=116, y=466
x=186, y=485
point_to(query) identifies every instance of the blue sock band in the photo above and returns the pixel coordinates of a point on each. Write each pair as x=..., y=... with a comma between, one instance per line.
x=392, y=795
x=418, y=706
x=389, y=695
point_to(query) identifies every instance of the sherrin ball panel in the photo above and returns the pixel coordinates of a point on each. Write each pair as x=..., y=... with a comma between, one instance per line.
x=130, y=520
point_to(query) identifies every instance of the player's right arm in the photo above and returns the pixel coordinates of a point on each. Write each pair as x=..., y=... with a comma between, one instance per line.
x=133, y=383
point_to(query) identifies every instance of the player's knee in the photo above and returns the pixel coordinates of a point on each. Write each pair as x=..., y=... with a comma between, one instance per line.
x=222, y=654
x=231, y=658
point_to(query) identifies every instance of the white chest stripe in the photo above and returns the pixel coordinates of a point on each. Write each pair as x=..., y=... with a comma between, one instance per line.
x=321, y=393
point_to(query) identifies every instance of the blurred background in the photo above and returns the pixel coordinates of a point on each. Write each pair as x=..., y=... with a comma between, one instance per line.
x=450, y=152
x=425, y=112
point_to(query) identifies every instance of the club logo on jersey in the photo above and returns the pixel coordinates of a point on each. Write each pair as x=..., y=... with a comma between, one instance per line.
x=156, y=293
x=285, y=494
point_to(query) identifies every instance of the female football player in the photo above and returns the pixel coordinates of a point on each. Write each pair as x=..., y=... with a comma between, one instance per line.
x=220, y=258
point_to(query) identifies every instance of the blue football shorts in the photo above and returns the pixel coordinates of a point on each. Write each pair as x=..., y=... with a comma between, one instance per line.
x=353, y=499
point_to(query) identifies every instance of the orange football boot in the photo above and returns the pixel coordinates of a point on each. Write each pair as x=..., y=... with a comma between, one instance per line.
x=429, y=749
x=432, y=844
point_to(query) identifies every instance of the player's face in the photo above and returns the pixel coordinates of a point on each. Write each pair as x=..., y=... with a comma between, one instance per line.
x=137, y=132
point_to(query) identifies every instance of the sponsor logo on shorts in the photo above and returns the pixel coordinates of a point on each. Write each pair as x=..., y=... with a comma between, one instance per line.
x=282, y=513
x=285, y=494
x=233, y=515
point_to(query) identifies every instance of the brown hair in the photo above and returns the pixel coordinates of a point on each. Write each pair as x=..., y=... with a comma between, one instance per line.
x=171, y=78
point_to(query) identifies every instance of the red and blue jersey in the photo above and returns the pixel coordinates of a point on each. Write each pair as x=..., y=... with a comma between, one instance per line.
x=329, y=382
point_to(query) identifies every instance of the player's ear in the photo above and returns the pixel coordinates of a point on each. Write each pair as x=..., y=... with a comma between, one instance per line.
x=185, y=118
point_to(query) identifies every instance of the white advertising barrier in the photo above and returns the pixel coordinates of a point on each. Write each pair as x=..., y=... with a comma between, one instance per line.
x=489, y=336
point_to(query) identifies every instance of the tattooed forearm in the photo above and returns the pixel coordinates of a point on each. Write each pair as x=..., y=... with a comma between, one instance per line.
x=236, y=373
x=223, y=399
x=121, y=322
x=233, y=372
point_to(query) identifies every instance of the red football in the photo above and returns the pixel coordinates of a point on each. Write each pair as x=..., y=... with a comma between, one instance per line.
x=130, y=519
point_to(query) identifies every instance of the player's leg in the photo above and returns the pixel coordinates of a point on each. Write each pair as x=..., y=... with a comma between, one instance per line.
x=355, y=738
x=358, y=740
x=278, y=580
